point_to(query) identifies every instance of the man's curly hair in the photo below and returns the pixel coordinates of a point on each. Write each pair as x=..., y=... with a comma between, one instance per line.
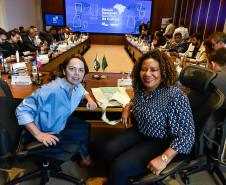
x=167, y=69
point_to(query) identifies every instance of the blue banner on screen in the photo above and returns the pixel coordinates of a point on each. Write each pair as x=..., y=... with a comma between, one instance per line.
x=54, y=20
x=107, y=16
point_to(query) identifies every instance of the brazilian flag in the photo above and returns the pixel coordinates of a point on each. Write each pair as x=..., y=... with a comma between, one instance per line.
x=104, y=63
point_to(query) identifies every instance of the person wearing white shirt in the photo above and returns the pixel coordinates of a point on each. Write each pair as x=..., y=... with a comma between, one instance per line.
x=182, y=30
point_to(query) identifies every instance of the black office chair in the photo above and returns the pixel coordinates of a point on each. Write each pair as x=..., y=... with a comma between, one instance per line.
x=205, y=99
x=12, y=149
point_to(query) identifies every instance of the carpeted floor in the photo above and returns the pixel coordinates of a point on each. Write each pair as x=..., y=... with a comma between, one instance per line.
x=117, y=58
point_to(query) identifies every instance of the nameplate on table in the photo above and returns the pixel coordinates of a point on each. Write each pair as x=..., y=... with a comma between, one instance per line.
x=44, y=59
x=19, y=66
x=125, y=82
x=21, y=80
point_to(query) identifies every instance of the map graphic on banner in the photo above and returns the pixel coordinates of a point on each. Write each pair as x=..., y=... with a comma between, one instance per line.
x=109, y=16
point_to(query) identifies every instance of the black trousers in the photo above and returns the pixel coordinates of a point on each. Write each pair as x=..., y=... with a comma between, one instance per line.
x=129, y=153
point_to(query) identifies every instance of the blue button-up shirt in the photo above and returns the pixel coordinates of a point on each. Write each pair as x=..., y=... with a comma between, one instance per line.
x=50, y=106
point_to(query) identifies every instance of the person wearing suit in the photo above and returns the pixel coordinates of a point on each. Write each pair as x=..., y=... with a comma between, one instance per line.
x=142, y=27
x=29, y=40
x=180, y=45
x=217, y=62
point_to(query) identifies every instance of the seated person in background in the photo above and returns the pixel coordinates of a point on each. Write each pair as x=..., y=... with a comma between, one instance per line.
x=159, y=133
x=196, y=52
x=217, y=62
x=50, y=36
x=182, y=30
x=59, y=34
x=77, y=35
x=67, y=32
x=180, y=45
x=46, y=113
x=160, y=40
x=208, y=46
x=169, y=41
x=12, y=44
x=170, y=27
x=29, y=40
x=218, y=40
x=142, y=27
x=5, y=54
x=21, y=29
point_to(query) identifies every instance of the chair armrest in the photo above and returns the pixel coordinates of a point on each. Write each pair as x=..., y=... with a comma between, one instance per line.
x=35, y=145
x=170, y=169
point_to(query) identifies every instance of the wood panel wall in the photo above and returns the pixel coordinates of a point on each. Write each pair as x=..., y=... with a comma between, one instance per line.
x=205, y=16
x=161, y=9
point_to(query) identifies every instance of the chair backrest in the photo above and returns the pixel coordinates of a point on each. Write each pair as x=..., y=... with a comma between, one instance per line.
x=9, y=129
x=204, y=99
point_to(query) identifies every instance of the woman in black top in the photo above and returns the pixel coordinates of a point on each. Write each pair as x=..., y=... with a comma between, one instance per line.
x=161, y=41
x=14, y=44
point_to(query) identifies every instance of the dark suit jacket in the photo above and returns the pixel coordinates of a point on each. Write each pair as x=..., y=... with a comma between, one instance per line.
x=29, y=45
x=180, y=47
x=12, y=48
x=160, y=42
x=60, y=37
x=141, y=28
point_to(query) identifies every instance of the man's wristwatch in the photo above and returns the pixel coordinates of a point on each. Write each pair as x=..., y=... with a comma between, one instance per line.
x=165, y=158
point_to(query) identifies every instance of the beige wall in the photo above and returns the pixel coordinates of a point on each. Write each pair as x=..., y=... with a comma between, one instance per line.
x=15, y=13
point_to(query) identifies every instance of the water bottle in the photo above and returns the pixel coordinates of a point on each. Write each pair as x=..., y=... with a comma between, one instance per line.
x=51, y=48
x=152, y=46
x=5, y=65
x=17, y=56
x=42, y=50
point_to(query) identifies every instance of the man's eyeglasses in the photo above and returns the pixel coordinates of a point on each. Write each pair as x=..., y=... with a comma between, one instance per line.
x=3, y=39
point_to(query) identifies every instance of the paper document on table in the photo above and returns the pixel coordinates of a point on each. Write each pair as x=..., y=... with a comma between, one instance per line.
x=110, y=97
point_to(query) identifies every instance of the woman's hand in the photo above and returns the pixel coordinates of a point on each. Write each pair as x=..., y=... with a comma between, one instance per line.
x=47, y=138
x=126, y=116
x=91, y=105
x=157, y=165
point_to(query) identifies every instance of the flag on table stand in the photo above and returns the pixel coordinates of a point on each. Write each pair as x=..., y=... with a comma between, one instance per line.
x=96, y=66
x=104, y=65
x=38, y=64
